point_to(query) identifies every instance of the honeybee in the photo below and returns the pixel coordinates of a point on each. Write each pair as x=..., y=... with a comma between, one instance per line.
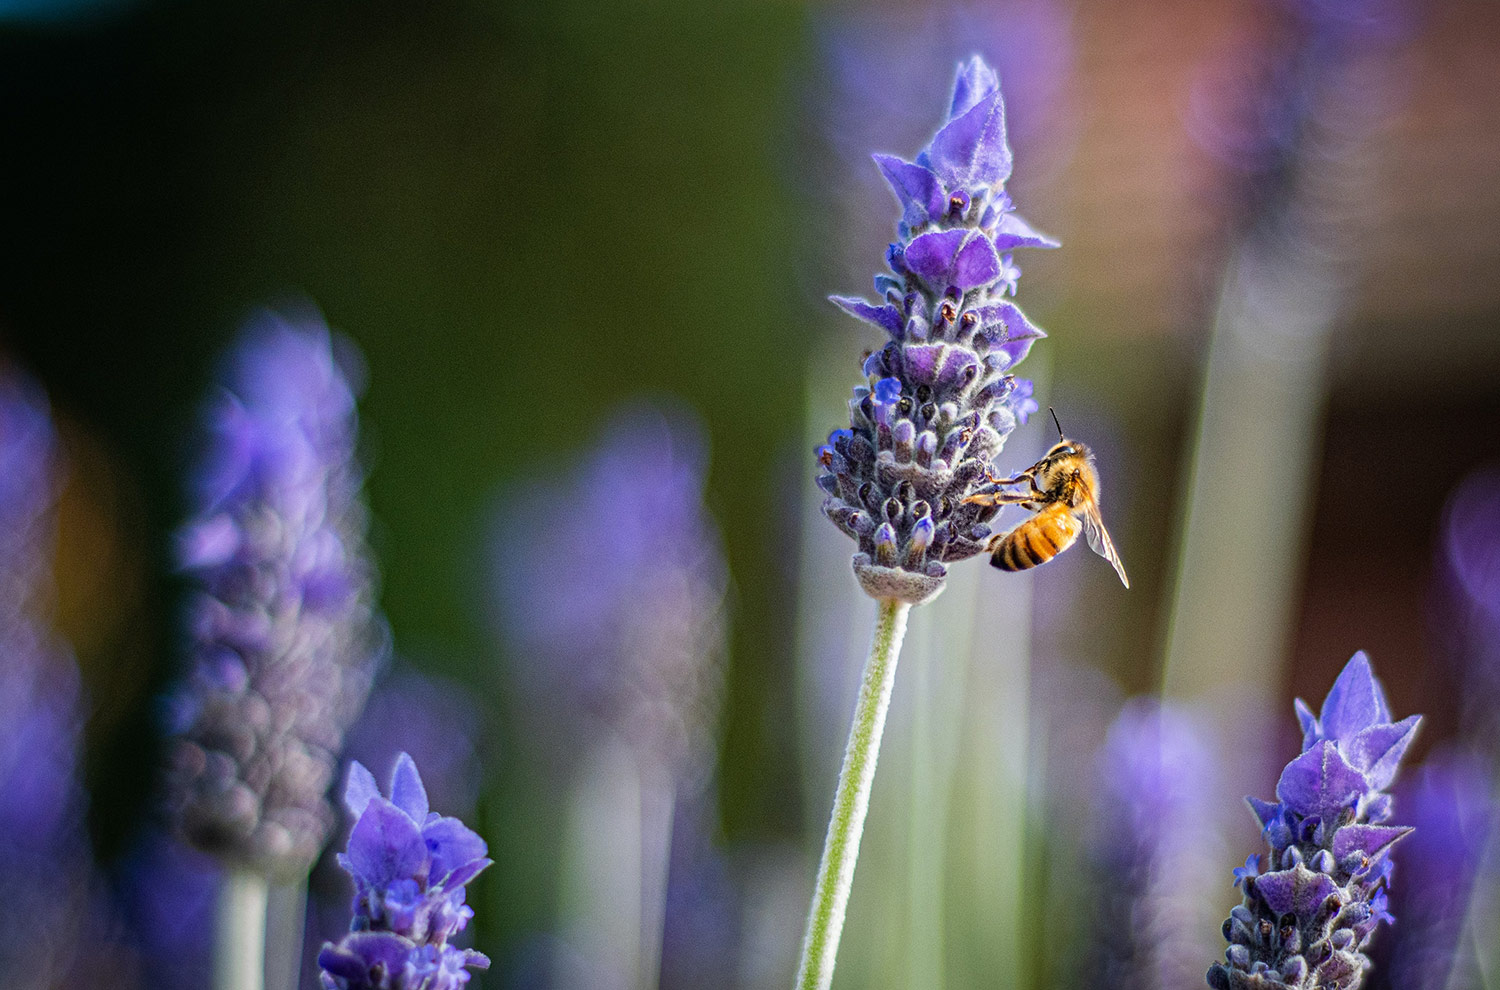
x=1064, y=495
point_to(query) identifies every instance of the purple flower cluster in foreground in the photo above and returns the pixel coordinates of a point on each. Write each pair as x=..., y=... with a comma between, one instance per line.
x=1308, y=921
x=283, y=634
x=939, y=399
x=410, y=866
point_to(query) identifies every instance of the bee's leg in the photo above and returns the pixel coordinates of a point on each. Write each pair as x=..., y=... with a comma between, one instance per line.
x=1029, y=473
x=1000, y=498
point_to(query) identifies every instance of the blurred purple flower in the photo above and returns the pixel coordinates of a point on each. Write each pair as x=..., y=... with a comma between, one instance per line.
x=1282, y=104
x=611, y=585
x=1151, y=777
x=939, y=399
x=410, y=867
x=283, y=635
x=52, y=903
x=1448, y=803
x=1471, y=574
x=167, y=892
x=1307, y=922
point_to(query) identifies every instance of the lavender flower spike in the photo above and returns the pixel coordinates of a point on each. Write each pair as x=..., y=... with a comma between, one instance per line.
x=410, y=866
x=940, y=398
x=1307, y=922
x=283, y=635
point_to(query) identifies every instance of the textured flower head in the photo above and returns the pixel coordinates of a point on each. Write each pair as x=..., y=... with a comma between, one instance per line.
x=1308, y=920
x=283, y=638
x=939, y=398
x=410, y=866
x=611, y=583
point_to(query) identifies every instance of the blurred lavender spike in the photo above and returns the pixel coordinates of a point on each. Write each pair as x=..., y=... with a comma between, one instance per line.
x=1307, y=921
x=1471, y=547
x=939, y=399
x=283, y=636
x=410, y=867
x=611, y=584
x=1151, y=774
x=51, y=909
x=1448, y=803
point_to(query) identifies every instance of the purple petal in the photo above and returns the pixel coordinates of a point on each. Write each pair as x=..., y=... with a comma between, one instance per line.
x=921, y=362
x=970, y=150
x=887, y=317
x=1013, y=232
x=1368, y=839
x=1309, y=723
x=468, y=871
x=952, y=375
x=1015, y=351
x=451, y=844
x=1377, y=750
x=976, y=263
x=930, y=255
x=359, y=952
x=1297, y=891
x=1321, y=783
x=407, y=792
x=1005, y=321
x=975, y=81
x=1355, y=701
x=360, y=789
x=917, y=189
x=1265, y=811
x=385, y=845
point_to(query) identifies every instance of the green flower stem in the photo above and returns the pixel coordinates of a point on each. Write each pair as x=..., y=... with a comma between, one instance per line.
x=240, y=935
x=825, y=921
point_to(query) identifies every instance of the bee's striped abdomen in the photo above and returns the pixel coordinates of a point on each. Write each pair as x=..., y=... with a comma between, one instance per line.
x=1037, y=540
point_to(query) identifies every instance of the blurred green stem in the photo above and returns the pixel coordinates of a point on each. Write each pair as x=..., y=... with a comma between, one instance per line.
x=240, y=935
x=851, y=801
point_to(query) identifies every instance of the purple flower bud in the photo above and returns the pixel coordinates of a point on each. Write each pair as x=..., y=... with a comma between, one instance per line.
x=947, y=265
x=284, y=638
x=1312, y=919
x=410, y=866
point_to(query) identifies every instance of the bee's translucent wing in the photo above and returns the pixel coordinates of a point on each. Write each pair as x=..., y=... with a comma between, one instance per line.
x=1100, y=543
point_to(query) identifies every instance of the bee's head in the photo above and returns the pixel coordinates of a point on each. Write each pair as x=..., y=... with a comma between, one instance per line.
x=1066, y=448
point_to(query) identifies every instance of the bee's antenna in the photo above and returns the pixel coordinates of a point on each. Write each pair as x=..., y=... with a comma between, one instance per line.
x=1054, y=420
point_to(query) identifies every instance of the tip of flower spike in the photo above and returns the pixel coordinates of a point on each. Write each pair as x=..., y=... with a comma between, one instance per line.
x=360, y=789
x=1355, y=702
x=407, y=792
x=971, y=150
x=975, y=81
